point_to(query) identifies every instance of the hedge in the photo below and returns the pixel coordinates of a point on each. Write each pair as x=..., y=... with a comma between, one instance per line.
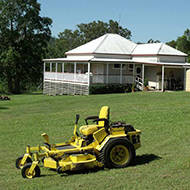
x=109, y=88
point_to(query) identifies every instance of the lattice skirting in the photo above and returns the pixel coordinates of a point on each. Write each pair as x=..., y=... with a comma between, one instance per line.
x=59, y=88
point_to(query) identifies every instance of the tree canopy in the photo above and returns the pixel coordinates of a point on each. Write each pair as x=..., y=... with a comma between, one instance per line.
x=84, y=33
x=182, y=43
x=153, y=41
x=23, y=38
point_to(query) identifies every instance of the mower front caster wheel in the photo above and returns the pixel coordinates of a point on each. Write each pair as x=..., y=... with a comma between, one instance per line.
x=19, y=159
x=25, y=171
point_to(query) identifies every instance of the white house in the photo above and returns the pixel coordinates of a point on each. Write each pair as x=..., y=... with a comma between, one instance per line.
x=112, y=59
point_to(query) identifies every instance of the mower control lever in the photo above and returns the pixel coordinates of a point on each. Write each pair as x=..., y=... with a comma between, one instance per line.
x=77, y=119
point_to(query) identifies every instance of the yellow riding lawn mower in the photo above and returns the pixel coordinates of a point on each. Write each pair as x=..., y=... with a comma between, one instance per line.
x=103, y=144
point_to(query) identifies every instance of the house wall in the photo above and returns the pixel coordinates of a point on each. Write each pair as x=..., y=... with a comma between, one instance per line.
x=99, y=73
x=145, y=58
x=187, y=86
x=173, y=77
x=112, y=56
x=101, y=68
x=159, y=58
x=172, y=59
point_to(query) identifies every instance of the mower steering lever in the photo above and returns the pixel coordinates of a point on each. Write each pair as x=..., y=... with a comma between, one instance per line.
x=77, y=119
x=94, y=118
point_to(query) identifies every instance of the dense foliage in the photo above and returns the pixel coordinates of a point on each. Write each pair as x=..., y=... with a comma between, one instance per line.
x=182, y=43
x=110, y=88
x=84, y=33
x=23, y=39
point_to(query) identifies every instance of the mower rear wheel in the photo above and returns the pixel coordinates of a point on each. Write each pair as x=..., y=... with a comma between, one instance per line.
x=18, y=161
x=25, y=171
x=117, y=153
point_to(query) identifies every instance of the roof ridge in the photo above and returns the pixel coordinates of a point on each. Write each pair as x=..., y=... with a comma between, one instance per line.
x=106, y=35
x=134, y=48
x=160, y=47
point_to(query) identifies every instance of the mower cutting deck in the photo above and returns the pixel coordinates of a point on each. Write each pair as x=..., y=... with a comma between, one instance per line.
x=99, y=145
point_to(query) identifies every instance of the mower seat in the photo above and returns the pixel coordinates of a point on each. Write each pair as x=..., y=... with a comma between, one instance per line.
x=101, y=121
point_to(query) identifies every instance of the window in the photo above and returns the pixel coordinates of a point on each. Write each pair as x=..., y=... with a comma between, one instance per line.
x=67, y=67
x=85, y=68
x=53, y=67
x=130, y=67
x=59, y=67
x=138, y=70
x=72, y=66
x=81, y=68
x=118, y=66
x=47, y=67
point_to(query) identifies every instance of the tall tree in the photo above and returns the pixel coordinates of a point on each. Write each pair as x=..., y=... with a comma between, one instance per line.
x=84, y=33
x=182, y=43
x=172, y=43
x=153, y=41
x=23, y=38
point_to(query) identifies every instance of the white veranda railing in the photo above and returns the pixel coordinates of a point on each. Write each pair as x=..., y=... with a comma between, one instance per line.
x=139, y=83
x=83, y=78
x=66, y=77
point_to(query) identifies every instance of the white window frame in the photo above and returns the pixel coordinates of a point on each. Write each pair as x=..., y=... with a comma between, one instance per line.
x=123, y=66
x=129, y=68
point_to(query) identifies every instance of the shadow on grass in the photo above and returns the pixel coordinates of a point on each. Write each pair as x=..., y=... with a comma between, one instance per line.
x=32, y=93
x=82, y=171
x=139, y=160
x=145, y=159
x=3, y=108
x=46, y=175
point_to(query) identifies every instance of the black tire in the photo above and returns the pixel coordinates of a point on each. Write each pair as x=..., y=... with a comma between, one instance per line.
x=59, y=170
x=117, y=153
x=18, y=160
x=25, y=169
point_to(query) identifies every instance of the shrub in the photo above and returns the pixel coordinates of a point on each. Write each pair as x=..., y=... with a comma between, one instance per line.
x=109, y=88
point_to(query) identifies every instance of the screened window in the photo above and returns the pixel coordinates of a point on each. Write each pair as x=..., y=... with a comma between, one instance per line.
x=130, y=67
x=118, y=66
x=47, y=67
x=85, y=68
x=53, y=67
x=59, y=67
x=72, y=67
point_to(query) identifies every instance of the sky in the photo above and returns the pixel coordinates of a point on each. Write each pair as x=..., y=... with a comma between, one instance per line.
x=163, y=20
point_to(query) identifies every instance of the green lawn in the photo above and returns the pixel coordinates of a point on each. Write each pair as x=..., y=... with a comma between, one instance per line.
x=163, y=161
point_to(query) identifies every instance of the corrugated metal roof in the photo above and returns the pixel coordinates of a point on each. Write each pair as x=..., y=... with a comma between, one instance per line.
x=116, y=44
x=106, y=44
x=156, y=49
x=70, y=59
x=167, y=50
x=112, y=60
x=108, y=60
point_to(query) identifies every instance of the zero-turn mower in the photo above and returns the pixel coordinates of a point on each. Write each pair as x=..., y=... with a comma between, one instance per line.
x=103, y=144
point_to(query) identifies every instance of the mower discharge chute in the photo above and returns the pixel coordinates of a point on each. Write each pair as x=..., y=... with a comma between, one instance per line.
x=99, y=145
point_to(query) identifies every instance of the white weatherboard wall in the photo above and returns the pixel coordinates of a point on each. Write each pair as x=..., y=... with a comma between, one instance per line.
x=171, y=59
x=188, y=80
x=146, y=58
